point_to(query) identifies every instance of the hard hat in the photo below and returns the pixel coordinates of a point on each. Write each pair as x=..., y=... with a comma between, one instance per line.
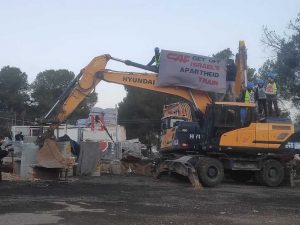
x=249, y=85
x=156, y=50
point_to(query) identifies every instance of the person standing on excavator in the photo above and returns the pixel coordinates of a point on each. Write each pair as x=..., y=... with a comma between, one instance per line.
x=248, y=96
x=230, y=80
x=155, y=59
x=261, y=98
x=271, y=92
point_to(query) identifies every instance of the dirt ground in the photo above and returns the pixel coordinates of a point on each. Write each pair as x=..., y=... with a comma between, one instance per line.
x=111, y=199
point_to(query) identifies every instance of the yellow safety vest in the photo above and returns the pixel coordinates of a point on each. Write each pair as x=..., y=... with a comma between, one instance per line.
x=157, y=60
x=249, y=96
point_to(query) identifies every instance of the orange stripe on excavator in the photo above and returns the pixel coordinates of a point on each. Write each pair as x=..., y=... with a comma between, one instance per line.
x=258, y=135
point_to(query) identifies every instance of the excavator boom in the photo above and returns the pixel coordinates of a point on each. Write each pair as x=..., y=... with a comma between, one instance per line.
x=241, y=66
x=85, y=83
x=95, y=71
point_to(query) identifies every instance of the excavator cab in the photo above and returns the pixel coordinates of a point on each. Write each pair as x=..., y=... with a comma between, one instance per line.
x=170, y=122
x=222, y=117
x=169, y=131
x=225, y=116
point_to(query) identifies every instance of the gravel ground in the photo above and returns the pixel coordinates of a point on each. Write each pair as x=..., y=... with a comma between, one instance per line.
x=142, y=200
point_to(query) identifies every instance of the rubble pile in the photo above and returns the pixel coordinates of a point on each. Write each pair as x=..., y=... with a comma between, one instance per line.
x=10, y=176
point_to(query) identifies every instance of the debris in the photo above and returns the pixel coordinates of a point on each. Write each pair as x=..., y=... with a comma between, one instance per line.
x=132, y=150
x=10, y=176
x=142, y=167
x=55, y=155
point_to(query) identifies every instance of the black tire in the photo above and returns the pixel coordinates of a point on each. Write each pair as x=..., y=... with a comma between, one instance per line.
x=210, y=171
x=241, y=176
x=272, y=173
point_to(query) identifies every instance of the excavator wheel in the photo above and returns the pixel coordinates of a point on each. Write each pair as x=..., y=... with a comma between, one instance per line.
x=272, y=173
x=241, y=176
x=210, y=171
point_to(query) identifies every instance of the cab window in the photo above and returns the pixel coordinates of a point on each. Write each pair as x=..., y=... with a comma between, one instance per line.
x=225, y=116
x=174, y=122
x=168, y=123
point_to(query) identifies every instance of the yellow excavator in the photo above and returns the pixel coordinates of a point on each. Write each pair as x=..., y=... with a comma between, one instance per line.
x=215, y=142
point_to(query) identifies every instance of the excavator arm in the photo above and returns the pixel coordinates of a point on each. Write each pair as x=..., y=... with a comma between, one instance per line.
x=95, y=72
x=49, y=155
x=241, y=66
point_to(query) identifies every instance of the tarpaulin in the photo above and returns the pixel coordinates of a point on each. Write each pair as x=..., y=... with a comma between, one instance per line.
x=192, y=71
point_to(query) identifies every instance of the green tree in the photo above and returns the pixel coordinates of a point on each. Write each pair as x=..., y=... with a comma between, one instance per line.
x=251, y=75
x=287, y=60
x=47, y=88
x=13, y=98
x=224, y=54
x=141, y=111
x=13, y=90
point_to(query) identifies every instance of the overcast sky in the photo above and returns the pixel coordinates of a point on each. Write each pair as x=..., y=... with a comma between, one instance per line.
x=37, y=35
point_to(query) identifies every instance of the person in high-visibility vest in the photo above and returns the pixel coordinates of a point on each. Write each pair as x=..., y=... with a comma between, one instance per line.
x=155, y=59
x=261, y=98
x=248, y=96
x=271, y=92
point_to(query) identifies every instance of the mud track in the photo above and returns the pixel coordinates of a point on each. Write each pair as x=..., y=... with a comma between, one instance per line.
x=143, y=200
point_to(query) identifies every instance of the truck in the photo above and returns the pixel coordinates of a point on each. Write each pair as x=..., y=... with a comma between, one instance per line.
x=206, y=146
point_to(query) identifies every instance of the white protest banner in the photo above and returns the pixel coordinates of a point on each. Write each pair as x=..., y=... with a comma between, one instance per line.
x=192, y=71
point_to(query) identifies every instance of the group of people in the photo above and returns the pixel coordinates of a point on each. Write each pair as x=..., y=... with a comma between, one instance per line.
x=264, y=94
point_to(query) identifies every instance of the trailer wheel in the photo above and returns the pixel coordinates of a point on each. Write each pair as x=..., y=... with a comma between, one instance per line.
x=210, y=171
x=241, y=176
x=272, y=173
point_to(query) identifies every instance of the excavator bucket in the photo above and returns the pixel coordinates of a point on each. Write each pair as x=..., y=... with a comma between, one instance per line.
x=183, y=167
x=51, y=156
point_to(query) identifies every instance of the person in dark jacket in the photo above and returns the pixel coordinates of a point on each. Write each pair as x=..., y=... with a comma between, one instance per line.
x=230, y=81
x=19, y=137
